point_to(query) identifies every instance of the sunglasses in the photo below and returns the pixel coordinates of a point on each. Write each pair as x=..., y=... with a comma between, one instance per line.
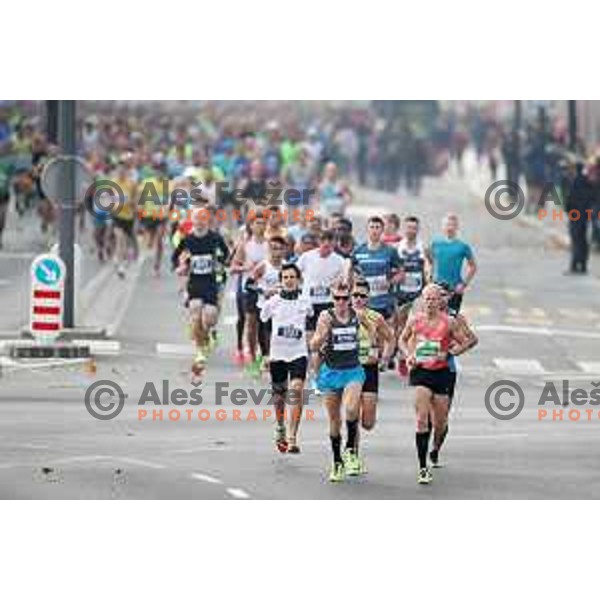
x=340, y=298
x=360, y=295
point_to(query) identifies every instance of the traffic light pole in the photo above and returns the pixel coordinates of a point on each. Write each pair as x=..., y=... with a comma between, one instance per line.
x=68, y=192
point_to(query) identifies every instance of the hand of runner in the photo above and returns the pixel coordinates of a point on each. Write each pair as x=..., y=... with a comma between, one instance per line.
x=411, y=361
x=460, y=288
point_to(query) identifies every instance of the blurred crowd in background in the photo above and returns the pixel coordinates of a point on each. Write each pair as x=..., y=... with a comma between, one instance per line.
x=387, y=145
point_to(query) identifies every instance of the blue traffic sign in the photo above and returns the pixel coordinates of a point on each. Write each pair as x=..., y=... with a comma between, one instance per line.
x=48, y=271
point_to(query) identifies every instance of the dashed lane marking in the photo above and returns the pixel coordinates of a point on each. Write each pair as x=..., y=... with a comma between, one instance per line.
x=238, y=493
x=206, y=478
x=520, y=366
x=175, y=349
x=589, y=367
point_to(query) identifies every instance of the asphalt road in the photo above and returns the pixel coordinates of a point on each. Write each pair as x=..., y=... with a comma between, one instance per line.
x=535, y=326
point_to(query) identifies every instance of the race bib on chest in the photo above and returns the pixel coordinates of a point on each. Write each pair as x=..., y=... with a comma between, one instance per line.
x=344, y=339
x=319, y=294
x=378, y=285
x=427, y=349
x=202, y=264
x=413, y=282
x=289, y=333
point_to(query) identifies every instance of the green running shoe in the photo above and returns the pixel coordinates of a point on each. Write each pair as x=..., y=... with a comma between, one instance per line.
x=424, y=476
x=351, y=463
x=337, y=473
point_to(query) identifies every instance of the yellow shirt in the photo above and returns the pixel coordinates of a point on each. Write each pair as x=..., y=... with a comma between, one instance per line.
x=127, y=211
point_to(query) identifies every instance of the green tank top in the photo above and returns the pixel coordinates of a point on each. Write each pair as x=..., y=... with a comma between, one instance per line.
x=365, y=349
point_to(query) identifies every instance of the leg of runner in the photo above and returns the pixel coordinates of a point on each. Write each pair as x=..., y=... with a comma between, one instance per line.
x=439, y=418
x=333, y=404
x=158, y=248
x=438, y=443
x=279, y=378
x=238, y=357
x=423, y=398
x=121, y=249
x=199, y=335
x=296, y=400
x=351, y=400
x=210, y=314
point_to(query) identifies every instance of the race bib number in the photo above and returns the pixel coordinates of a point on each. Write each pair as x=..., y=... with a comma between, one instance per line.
x=319, y=294
x=202, y=264
x=289, y=333
x=413, y=282
x=378, y=285
x=426, y=350
x=345, y=339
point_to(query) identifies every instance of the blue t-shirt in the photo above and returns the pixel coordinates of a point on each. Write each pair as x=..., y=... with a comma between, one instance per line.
x=448, y=258
x=376, y=267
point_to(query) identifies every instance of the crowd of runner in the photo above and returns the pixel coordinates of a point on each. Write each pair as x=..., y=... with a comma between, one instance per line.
x=317, y=307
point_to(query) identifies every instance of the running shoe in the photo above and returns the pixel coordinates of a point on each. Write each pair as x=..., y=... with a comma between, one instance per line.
x=280, y=438
x=200, y=357
x=424, y=476
x=337, y=473
x=402, y=368
x=351, y=462
x=253, y=369
x=239, y=358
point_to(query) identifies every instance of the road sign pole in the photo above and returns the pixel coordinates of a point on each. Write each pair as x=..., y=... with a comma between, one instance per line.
x=66, y=120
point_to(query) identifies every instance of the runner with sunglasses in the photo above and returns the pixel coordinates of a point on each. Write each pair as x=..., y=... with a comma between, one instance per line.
x=372, y=356
x=341, y=376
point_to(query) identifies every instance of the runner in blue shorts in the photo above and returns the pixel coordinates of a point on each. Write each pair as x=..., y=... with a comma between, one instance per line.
x=341, y=376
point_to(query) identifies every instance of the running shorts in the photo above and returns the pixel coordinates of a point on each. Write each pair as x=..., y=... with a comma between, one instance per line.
x=438, y=380
x=336, y=380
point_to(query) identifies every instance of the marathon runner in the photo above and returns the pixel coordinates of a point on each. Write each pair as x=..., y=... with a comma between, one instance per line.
x=265, y=281
x=379, y=264
x=288, y=311
x=341, y=376
x=249, y=254
x=414, y=267
x=320, y=268
x=198, y=254
x=471, y=342
x=333, y=196
x=371, y=356
x=124, y=218
x=448, y=253
x=429, y=337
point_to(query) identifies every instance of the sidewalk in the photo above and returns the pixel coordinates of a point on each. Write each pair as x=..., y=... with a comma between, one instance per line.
x=555, y=230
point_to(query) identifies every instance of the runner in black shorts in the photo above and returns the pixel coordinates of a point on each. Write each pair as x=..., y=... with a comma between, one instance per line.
x=287, y=310
x=428, y=338
x=372, y=356
x=197, y=255
x=472, y=341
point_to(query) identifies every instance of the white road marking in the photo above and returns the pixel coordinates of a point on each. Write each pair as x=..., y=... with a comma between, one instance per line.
x=4, y=282
x=540, y=331
x=101, y=347
x=589, y=367
x=512, y=293
x=230, y=320
x=520, y=366
x=238, y=493
x=491, y=436
x=141, y=463
x=175, y=349
x=207, y=478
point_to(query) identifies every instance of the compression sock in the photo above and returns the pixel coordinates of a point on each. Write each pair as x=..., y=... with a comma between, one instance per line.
x=422, y=440
x=336, y=447
x=352, y=428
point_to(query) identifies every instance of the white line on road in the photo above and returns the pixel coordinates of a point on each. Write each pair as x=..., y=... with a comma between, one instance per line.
x=207, y=478
x=590, y=367
x=138, y=462
x=491, y=436
x=238, y=493
x=540, y=331
x=520, y=366
x=175, y=349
